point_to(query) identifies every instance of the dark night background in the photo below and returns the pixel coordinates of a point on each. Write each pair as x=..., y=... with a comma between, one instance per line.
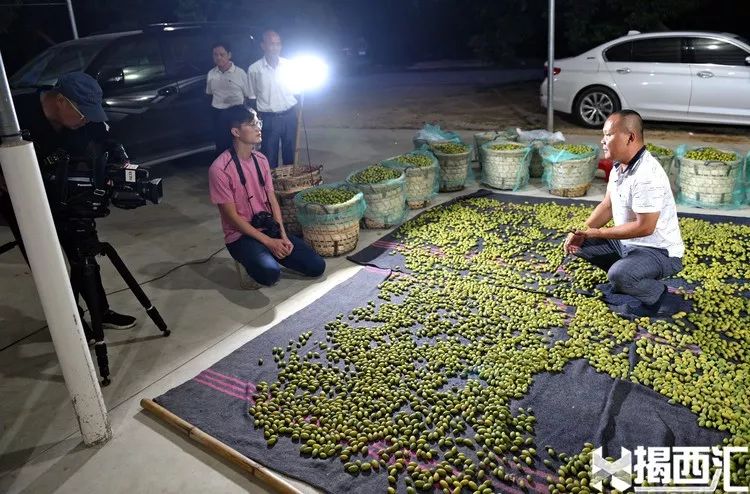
x=397, y=31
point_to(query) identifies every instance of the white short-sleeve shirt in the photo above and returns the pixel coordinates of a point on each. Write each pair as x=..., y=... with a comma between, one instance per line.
x=228, y=88
x=643, y=187
x=268, y=88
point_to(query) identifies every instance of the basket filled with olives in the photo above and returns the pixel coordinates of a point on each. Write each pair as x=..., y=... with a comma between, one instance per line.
x=384, y=193
x=454, y=164
x=421, y=170
x=569, y=168
x=329, y=216
x=709, y=176
x=506, y=164
x=663, y=155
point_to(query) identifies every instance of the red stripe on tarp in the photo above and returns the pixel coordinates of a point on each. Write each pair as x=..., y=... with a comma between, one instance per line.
x=220, y=389
x=219, y=382
x=230, y=378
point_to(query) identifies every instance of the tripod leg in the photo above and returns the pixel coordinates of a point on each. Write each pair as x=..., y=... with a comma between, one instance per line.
x=75, y=283
x=117, y=262
x=89, y=275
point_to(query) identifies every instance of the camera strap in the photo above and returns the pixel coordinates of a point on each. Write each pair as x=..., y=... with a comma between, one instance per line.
x=241, y=173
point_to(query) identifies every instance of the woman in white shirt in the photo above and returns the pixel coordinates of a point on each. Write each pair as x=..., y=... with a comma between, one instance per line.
x=227, y=84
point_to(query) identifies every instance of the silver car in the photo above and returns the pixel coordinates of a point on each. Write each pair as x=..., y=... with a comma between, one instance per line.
x=681, y=76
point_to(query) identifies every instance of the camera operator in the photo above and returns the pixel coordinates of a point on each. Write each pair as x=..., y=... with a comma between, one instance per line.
x=68, y=117
x=240, y=185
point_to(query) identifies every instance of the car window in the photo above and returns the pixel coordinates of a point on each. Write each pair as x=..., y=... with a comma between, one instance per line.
x=706, y=50
x=662, y=50
x=140, y=59
x=46, y=67
x=187, y=54
x=620, y=53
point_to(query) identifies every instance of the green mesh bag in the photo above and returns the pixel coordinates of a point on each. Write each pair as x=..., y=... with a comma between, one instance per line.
x=454, y=166
x=705, y=179
x=421, y=180
x=506, y=169
x=433, y=133
x=330, y=225
x=566, y=173
x=386, y=199
x=314, y=213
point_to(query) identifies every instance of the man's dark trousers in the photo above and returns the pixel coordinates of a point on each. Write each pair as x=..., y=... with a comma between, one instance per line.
x=279, y=128
x=636, y=271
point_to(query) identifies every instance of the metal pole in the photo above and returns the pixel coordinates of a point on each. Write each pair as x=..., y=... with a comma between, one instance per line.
x=297, y=145
x=72, y=19
x=24, y=181
x=551, y=68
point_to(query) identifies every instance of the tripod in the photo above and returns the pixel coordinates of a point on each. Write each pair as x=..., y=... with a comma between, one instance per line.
x=81, y=244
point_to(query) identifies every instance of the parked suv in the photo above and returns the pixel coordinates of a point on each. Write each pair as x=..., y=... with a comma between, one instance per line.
x=154, y=82
x=676, y=76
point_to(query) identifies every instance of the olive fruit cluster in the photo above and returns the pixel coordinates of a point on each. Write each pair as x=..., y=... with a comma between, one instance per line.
x=508, y=146
x=328, y=195
x=659, y=150
x=416, y=160
x=710, y=154
x=374, y=174
x=416, y=386
x=450, y=148
x=574, y=148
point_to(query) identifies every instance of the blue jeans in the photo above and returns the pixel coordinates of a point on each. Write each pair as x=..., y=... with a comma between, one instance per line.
x=264, y=268
x=279, y=128
x=635, y=271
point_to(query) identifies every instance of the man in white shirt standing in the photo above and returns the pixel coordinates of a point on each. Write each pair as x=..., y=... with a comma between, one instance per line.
x=227, y=84
x=276, y=104
x=645, y=244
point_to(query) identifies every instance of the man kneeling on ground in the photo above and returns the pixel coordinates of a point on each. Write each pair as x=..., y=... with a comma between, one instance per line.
x=645, y=244
x=241, y=186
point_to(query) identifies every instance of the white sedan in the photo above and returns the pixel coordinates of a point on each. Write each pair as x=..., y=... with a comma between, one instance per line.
x=681, y=76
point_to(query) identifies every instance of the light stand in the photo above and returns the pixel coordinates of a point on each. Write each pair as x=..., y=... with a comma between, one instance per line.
x=306, y=73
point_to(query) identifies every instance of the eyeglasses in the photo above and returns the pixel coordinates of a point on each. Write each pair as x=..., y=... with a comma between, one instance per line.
x=81, y=115
x=257, y=123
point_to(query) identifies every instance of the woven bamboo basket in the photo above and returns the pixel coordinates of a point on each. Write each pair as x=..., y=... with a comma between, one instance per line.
x=421, y=181
x=386, y=202
x=293, y=178
x=481, y=138
x=536, y=163
x=420, y=185
x=570, y=178
x=665, y=160
x=454, y=168
x=711, y=183
x=504, y=169
x=287, y=181
x=289, y=212
x=336, y=231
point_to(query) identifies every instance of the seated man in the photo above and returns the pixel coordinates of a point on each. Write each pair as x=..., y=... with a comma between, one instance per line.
x=240, y=184
x=645, y=245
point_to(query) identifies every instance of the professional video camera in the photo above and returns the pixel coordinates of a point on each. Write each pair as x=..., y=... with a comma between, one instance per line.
x=80, y=190
x=83, y=187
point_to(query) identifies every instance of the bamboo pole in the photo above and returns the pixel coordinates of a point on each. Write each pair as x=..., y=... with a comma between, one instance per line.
x=297, y=144
x=213, y=445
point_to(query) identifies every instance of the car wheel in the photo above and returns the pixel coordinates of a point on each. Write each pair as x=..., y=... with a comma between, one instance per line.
x=594, y=105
